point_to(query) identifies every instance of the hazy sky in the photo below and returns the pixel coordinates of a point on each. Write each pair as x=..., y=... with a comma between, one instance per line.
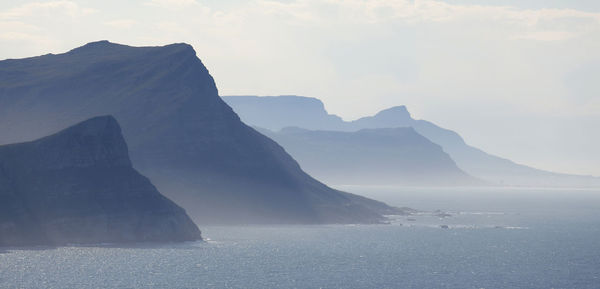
x=517, y=78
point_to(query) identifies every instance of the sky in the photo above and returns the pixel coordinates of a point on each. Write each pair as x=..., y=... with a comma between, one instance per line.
x=516, y=78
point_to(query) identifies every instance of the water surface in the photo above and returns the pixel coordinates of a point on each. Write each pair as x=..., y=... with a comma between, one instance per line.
x=497, y=238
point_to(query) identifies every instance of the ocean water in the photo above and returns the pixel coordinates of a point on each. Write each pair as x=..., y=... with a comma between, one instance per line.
x=496, y=238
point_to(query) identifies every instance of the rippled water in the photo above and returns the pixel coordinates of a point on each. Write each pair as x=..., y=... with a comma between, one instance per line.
x=496, y=239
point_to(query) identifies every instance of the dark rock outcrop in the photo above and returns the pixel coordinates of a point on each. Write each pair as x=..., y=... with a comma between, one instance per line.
x=180, y=133
x=78, y=186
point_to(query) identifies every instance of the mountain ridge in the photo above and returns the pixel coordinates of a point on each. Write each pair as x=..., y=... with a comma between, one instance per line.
x=386, y=156
x=493, y=169
x=180, y=133
x=78, y=186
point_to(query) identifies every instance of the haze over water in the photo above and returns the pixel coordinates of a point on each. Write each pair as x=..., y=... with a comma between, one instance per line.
x=497, y=238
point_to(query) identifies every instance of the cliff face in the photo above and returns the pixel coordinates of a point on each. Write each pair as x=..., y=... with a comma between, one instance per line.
x=180, y=133
x=78, y=186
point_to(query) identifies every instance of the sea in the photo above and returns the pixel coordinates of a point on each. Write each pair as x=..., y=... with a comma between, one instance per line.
x=492, y=238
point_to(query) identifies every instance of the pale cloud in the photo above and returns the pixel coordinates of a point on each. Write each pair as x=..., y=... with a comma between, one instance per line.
x=17, y=27
x=121, y=23
x=9, y=35
x=548, y=35
x=172, y=4
x=537, y=23
x=40, y=27
x=68, y=8
x=18, y=36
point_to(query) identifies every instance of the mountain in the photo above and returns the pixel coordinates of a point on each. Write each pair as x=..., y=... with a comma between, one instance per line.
x=387, y=156
x=277, y=112
x=180, y=133
x=495, y=170
x=78, y=186
x=473, y=160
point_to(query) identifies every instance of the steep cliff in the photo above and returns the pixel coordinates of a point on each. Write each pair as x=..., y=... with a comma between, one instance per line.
x=180, y=133
x=78, y=186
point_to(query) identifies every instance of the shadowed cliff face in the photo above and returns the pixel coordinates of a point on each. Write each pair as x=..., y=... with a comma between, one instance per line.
x=180, y=133
x=78, y=186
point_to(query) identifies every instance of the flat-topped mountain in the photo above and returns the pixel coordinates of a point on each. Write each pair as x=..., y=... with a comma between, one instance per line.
x=386, y=156
x=258, y=111
x=304, y=112
x=180, y=133
x=78, y=186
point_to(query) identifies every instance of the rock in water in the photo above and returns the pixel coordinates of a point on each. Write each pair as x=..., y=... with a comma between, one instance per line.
x=180, y=133
x=78, y=186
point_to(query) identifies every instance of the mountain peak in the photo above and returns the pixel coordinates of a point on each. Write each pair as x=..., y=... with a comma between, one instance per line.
x=99, y=126
x=95, y=125
x=397, y=116
x=78, y=186
x=92, y=142
x=105, y=45
x=92, y=46
x=99, y=43
x=180, y=46
x=397, y=112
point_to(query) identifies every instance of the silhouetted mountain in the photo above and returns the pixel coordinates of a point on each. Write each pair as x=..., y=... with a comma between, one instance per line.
x=78, y=186
x=397, y=116
x=180, y=133
x=304, y=112
x=389, y=156
x=254, y=111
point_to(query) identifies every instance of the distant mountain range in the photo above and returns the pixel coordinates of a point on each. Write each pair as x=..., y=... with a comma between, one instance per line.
x=387, y=156
x=277, y=112
x=180, y=133
x=78, y=186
